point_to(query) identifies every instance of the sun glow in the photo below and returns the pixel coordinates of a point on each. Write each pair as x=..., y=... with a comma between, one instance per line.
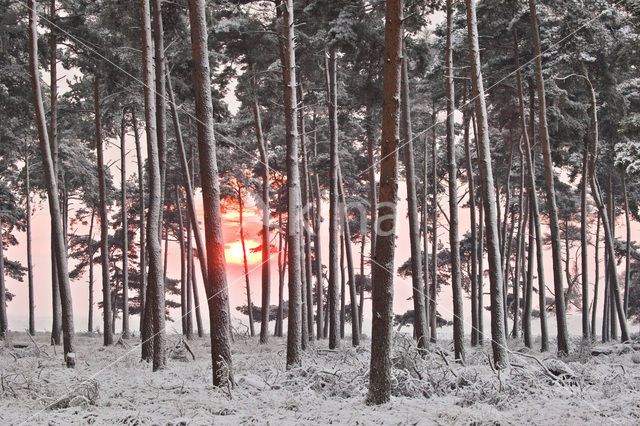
x=233, y=252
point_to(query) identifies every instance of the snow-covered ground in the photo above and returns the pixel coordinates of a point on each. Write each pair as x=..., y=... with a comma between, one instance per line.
x=111, y=386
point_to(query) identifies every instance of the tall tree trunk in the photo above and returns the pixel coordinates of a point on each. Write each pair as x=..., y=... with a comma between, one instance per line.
x=317, y=244
x=425, y=232
x=143, y=248
x=60, y=248
x=107, y=323
x=56, y=327
x=533, y=195
x=454, y=239
x=373, y=199
x=307, y=205
x=187, y=174
x=346, y=233
x=153, y=336
x=433, y=289
x=266, y=252
x=584, y=242
x=244, y=260
x=160, y=94
x=196, y=298
x=473, y=226
x=216, y=285
x=561, y=318
x=595, y=192
x=594, y=308
x=420, y=318
x=382, y=296
x=32, y=316
x=627, y=264
x=190, y=272
x=522, y=225
x=125, y=233
x=183, y=265
x=528, y=296
x=334, y=236
x=343, y=286
x=488, y=190
x=612, y=260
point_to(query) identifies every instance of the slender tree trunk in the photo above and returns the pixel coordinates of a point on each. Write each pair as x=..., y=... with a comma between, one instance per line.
x=189, y=287
x=425, y=231
x=216, y=285
x=627, y=269
x=183, y=264
x=196, y=298
x=382, y=297
x=60, y=249
x=346, y=233
x=343, y=286
x=595, y=191
x=561, y=319
x=143, y=248
x=533, y=199
x=526, y=315
x=32, y=319
x=612, y=260
x=373, y=198
x=594, y=308
x=489, y=196
x=244, y=261
x=266, y=253
x=420, y=318
x=507, y=271
x=153, y=336
x=317, y=244
x=160, y=97
x=125, y=233
x=433, y=293
x=104, y=221
x=473, y=226
x=522, y=224
x=454, y=238
x=334, y=235
x=56, y=327
x=584, y=242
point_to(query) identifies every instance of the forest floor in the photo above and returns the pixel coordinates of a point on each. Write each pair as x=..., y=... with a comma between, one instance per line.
x=111, y=386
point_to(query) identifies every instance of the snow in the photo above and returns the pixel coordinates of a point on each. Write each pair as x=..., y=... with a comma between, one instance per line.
x=111, y=385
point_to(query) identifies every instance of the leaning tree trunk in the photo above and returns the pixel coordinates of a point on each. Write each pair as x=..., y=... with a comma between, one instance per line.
x=244, y=261
x=125, y=233
x=107, y=323
x=454, y=239
x=419, y=318
x=266, y=254
x=60, y=249
x=353, y=298
x=143, y=248
x=382, y=296
x=32, y=319
x=488, y=191
x=216, y=284
x=154, y=339
x=533, y=195
x=561, y=318
x=595, y=192
x=334, y=236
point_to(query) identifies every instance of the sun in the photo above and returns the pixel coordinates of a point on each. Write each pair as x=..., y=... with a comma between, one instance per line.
x=234, y=254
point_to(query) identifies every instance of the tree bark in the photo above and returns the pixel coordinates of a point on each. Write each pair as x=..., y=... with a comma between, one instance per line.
x=489, y=196
x=60, y=249
x=244, y=260
x=154, y=339
x=125, y=233
x=627, y=269
x=584, y=242
x=266, y=253
x=104, y=221
x=143, y=251
x=594, y=308
x=216, y=284
x=160, y=96
x=32, y=319
x=433, y=289
x=4, y=324
x=454, y=239
x=473, y=226
x=373, y=199
x=183, y=264
x=382, y=296
x=420, y=318
x=561, y=319
x=353, y=298
x=343, y=286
